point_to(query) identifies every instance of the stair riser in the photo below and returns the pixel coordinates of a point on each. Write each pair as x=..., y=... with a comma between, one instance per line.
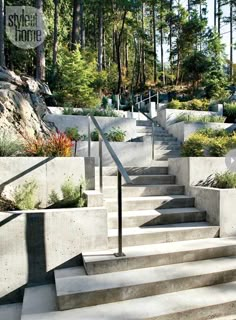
x=142, y=180
x=149, y=130
x=137, y=221
x=87, y=299
x=166, y=157
x=148, y=261
x=143, y=123
x=135, y=171
x=167, y=147
x=151, y=204
x=165, y=236
x=145, y=191
x=165, y=138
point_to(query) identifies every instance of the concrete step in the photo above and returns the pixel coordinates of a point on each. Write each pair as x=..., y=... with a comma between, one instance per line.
x=150, y=202
x=170, y=146
x=163, y=233
x=230, y=317
x=40, y=299
x=83, y=291
x=194, y=304
x=10, y=311
x=136, y=171
x=157, y=130
x=144, y=190
x=156, y=217
x=146, y=123
x=145, y=256
x=165, y=138
x=166, y=154
x=141, y=180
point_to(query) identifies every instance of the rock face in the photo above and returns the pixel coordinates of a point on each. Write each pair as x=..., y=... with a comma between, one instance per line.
x=22, y=105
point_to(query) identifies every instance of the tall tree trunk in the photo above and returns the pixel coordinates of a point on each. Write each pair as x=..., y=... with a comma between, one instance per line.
x=40, y=52
x=2, y=32
x=76, y=22
x=82, y=27
x=231, y=41
x=162, y=43
x=219, y=17
x=170, y=37
x=55, y=36
x=215, y=14
x=143, y=77
x=154, y=43
x=100, y=39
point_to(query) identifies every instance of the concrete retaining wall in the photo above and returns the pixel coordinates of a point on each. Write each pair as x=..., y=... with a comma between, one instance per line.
x=190, y=171
x=49, y=173
x=219, y=205
x=62, y=122
x=182, y=130
x=168, y=117
x=129, y=153
x=33, y=244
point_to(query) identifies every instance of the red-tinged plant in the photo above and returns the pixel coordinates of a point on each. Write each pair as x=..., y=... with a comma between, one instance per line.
x=56, y=145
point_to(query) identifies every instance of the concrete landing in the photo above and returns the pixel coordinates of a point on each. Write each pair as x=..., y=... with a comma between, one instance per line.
x=11, y=311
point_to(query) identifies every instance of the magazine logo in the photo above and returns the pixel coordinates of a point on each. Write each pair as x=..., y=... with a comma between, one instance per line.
x=25, y=26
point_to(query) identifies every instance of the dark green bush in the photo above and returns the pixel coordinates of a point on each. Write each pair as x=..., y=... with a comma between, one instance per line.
x=116, y=135
x=226, y=180
x=230, y=110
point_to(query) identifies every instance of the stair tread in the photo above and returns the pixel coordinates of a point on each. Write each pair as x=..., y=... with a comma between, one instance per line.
x=147, y=198
x=151, y=307
x=161, y=228
x=156, y=212
x=160, y=248
x=10, y=311
x=144, y=186
x=122, y=279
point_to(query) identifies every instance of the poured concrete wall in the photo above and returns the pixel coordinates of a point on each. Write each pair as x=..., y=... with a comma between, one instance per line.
x=129, y=153
x=219, y=204
x=182, y=130
x=33, y=244
x=62, y=122
x=168, y=117
x=48, y=173
x=190, y=171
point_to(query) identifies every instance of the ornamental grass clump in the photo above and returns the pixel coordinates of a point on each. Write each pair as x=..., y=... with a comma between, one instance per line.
x=225, y=180
x=24, y=196
x=56, y=145
x=9, y=147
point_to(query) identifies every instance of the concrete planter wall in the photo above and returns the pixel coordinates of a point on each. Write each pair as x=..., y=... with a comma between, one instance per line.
x=182, y=130
x=168, y=117
x=129, y=153
x=49, y=173
x=190, y=171
x=219, y=204
x=62, y=122
x=33, y=244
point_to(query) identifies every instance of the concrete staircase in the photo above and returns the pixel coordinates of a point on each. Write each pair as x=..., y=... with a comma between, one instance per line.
x=175, y=265
x=166, y=146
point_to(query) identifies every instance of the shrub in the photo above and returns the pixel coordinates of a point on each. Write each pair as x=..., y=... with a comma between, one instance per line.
x=194, y=146
x=218, y=147
x=204, y=119
x=116, y=135
x=174, y=104
x=230, y=110
x=226, y=180
x=109, y=112
x=212, y=133
x=94, y=135
x=72, y=195
x=195, y=104
x=9, y=147
x=56, y=145
x=24, y=196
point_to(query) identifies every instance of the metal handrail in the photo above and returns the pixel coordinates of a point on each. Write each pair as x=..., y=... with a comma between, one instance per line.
x=154, y=124
x=121, y=172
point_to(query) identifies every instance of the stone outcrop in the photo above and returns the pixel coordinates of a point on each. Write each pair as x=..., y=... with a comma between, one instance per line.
x=22, y=105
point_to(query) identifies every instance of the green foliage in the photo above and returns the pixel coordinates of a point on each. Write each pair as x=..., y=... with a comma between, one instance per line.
x=195, y=104
x=193, y=147
x=9, y=147
x=77, y=79
x=72, y=195
x=73, y=134
x=225, y=180
x=116, y=135
x=230, y=110
x=25, y=196
x=209, y=142
x=109, y=112
x=192, y=118
x=94, y=135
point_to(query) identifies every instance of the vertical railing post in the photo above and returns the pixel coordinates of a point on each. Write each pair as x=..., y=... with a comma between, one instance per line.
x=153, y=141
x=100, y=165
x=119, y=189
x=89, y=137
x=150, y=99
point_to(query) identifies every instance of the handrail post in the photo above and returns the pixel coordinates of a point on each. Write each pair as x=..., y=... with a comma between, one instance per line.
x=89, y=137
x=153, y=142
x=119, y=189
x=100, y=165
